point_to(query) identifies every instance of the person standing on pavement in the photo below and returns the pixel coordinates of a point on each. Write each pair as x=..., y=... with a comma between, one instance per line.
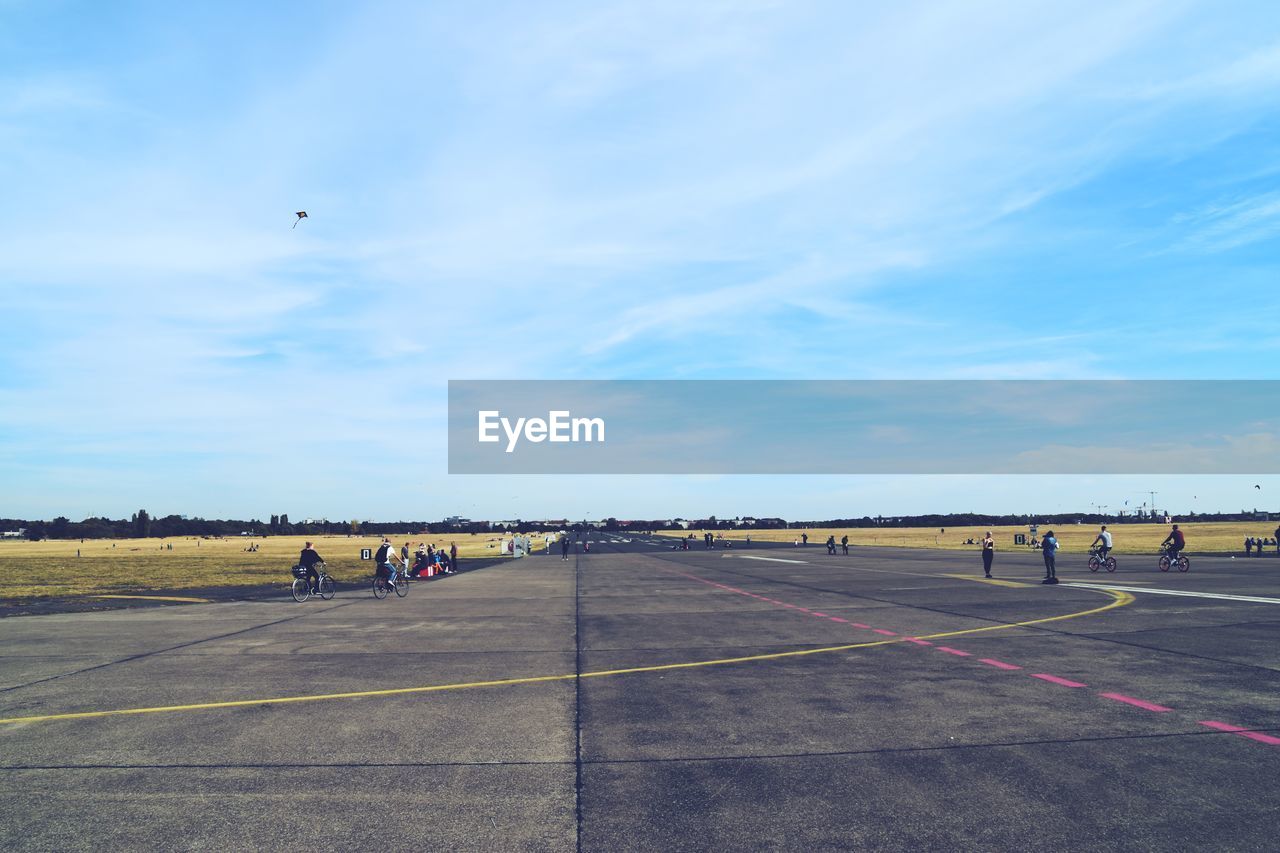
x=988, y=553
x=564, y=547
x=453, y=557
x=1049, y=547
x=844, y=543
x=831, y=544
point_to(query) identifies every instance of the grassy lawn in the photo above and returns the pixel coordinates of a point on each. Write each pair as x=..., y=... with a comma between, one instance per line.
x=114, y=566
x=1128, y=538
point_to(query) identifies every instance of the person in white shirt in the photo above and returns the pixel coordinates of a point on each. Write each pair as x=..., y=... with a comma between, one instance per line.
x=1103, y=541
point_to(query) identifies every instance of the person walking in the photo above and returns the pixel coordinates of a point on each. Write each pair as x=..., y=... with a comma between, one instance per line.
x=453, y=557
x=804, y=540
x=844, y=543
x=988, y=553
x=1049, y=548
x=564, y=547
x=1248, y=546
x=831, y=544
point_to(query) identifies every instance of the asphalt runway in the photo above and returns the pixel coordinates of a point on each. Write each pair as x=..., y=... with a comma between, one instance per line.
x=639, y=698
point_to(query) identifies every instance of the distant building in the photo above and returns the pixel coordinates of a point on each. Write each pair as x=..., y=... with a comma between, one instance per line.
x=13, y=534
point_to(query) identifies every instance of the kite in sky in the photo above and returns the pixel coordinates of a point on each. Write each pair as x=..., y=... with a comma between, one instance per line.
x=302, y=214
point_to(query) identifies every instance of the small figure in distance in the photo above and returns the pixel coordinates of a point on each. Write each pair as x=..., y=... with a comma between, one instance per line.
x=1049, y=547
x=1248, y=546
x=831, y=544
x=988, y=553
x=804, y=540
x=564, y=547
x=844, y=543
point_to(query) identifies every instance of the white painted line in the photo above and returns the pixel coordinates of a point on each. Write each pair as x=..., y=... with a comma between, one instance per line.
x=1257, y=599
x=769, y=559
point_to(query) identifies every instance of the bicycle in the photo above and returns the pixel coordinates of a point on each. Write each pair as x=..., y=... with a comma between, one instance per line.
x=325, y=587
x=1097, y=561
x=1166, y=562
x=401, y=583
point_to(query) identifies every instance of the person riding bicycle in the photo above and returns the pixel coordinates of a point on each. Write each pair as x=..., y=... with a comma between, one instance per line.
x=385, y=559
x=1103, y=542
x=308, y=560
x=1174, y=543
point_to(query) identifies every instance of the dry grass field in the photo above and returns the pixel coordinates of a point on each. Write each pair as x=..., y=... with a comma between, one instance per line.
x=117, y=566
x=1219, y=537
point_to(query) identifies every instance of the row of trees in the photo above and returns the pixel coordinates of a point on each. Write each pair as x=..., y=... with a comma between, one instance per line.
x=142, y=525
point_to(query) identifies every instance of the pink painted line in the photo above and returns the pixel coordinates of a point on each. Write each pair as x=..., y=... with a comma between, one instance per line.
x=1053, y=679
x=1137, y=703
x=952, y=651
x=821, y=615
x=918, y=641
x=859, y=625
x=883, y=631
x=998, y=664
x=838, y=619
x=1243, y=732
x=802, y=609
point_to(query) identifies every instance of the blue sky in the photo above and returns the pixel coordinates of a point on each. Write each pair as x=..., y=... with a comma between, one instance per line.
x=658, y=190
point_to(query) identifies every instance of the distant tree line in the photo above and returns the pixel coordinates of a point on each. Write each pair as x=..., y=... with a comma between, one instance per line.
x=142, y=525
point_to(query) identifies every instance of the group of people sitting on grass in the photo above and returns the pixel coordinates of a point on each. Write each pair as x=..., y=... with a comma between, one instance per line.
x=430, y=560
x=1259, y=543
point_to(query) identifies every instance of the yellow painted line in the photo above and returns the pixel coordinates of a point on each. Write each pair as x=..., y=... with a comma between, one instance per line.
x=1119, y=599
x=158, y=598
x=992, y=581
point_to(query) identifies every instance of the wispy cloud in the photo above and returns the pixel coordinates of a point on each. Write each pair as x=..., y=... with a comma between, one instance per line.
x=722, y=189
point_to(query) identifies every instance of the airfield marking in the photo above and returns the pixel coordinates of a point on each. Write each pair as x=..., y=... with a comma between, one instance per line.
x=767, y=559
x=159, y=598
x=1053, y=679
x=1119, y=599
x=1243, y=732
x=1139, y=703
x=1256, y=599
x=998, y=664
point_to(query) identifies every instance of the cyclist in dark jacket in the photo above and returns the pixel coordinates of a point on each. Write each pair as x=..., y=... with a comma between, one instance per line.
x=308, y=560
